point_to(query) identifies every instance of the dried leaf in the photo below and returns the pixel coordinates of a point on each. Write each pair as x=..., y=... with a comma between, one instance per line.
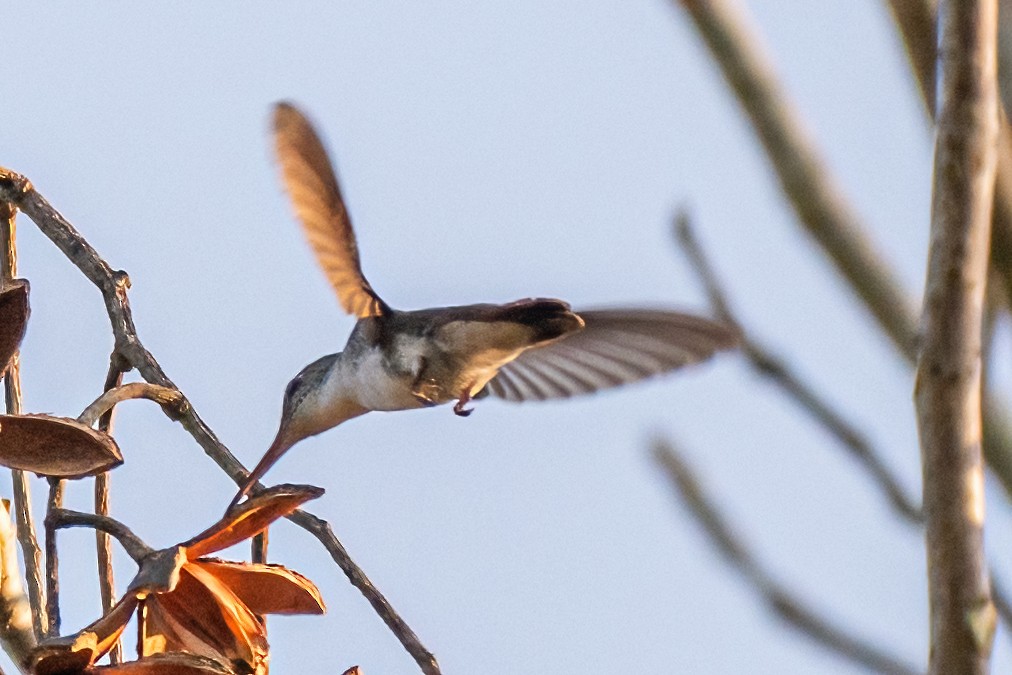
x=354, y=670
x=267, y=589
x=71, y=654
x=162, y=633
x=109, y=628
x=14, y=312
x=55, y=446
x=250, y=518
x=74, y=653
x=203, y=611
x=171, y=663
x=159, y=572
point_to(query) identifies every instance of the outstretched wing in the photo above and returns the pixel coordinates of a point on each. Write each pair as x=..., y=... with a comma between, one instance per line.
x=616, y=346
x=313, y=188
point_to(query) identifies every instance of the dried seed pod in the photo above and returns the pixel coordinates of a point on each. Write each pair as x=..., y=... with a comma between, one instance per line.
x=14, y=311
x=55, y=446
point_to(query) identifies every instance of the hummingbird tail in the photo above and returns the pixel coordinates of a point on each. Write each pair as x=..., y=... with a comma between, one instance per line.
x=548, y=319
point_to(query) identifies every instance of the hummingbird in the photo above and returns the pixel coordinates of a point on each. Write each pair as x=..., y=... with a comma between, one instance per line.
x=526, y=350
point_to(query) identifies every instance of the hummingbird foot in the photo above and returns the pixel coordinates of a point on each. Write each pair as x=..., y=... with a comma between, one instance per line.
x=458, y=407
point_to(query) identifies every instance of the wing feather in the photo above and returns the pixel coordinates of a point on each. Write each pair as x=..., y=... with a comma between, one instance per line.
x=313, y=188
x=615, y=347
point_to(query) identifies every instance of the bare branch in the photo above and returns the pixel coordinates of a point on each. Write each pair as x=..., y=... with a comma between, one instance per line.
x=804, y=177
x=114, y=284
x=781, y=602
x=772, y=366
x=781, y=374
x=916, y=22
x=947, y=394
x=103, y=545
x=12, y=392
x=55, y=502
x=167, y=397
x=817, y=200
x=132, y=544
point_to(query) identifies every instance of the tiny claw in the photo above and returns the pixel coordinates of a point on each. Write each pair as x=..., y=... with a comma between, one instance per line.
x=458, y=407
x=424, y=400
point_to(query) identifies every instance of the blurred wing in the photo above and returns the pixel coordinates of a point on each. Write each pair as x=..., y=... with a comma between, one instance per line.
x=615, y=347
x=314, y=191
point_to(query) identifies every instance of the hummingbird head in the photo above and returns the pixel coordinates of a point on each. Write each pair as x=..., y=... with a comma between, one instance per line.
x=304, y=413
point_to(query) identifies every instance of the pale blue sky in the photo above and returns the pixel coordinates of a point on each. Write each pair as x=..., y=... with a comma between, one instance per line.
x=488, y=151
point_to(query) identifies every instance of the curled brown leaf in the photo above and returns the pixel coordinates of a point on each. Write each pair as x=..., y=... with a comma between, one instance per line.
x=250, y=518
x=58, y=447
x=266, y=589
x=14, y=312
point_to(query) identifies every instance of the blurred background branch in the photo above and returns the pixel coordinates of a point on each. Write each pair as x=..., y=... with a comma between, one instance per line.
x=816, y=197
x=782, y=602
x=781, y=374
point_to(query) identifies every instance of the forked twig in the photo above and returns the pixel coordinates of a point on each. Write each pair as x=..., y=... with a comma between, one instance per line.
x=780, y=601
x=113, y=285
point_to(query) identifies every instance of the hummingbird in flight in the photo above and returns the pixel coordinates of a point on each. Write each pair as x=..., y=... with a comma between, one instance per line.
x=528, y=350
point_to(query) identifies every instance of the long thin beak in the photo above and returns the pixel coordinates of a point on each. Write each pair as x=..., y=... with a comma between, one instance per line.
x=279, y=446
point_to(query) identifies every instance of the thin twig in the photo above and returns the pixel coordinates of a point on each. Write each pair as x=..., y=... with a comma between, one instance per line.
x=113, y=285
x=103, y=544
x=55, y=501
x=818, y=200
x=131, y=543
x=947, y=393
x=804, y=177
x=168, y=398
x=12, y=392
x=322, y=530
x=780, y=601
x=768, y=364
x=916, y=21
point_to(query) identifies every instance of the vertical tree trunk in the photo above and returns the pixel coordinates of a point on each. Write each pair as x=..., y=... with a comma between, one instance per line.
x=948, y=392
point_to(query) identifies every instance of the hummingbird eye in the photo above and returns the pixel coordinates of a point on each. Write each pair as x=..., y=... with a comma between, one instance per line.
x=292, y=387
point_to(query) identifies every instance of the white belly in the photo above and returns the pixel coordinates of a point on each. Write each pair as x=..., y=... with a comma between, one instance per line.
x=369, y=383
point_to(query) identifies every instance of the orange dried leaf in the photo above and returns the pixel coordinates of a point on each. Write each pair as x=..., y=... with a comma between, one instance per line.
x=202, y=611
x=267, y=589
x=354, y=670
x=55, y=446
x=162, y=633
x=74, y=653
x=109, y=628
x=250, y=518
x=172, y=663
x=14, y=311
